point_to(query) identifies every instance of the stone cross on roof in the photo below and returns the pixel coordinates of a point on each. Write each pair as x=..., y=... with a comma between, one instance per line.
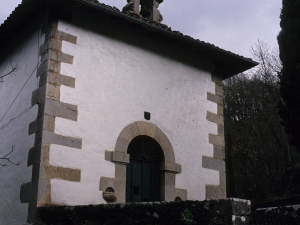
x=146, y=8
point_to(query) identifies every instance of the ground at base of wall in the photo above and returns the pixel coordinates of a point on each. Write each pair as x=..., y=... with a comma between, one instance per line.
x=210, y=212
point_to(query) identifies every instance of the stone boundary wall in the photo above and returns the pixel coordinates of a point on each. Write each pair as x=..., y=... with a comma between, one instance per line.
x=37, y=192
x=217, y=162
x=276, y=215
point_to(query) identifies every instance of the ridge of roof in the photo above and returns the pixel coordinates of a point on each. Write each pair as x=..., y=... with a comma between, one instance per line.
x=135, y=18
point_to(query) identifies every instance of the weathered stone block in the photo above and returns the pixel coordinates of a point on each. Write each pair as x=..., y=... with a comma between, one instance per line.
x=120, y=172
x=146, y=128
x=169, y=156
x=163, y=140
x=60, y=109
x=215, y=98
x=212, y=163
x=219, y=152
x=120, y=157
x=59, y=56
x=215, y=118
x=217, y=140
x=59, y=79
x=49, y=65
x=51, y=44
x=121, y=145
x=170, y=167
x=60, y=35
x=129, y=132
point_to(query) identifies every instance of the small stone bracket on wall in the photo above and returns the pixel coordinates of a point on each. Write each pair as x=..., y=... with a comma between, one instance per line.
x=120, y=157
x=217, y=162
x=117, y=157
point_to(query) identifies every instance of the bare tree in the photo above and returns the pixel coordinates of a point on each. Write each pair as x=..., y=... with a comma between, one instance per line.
x=14, y=68
x=5, y=160
x=260, y=156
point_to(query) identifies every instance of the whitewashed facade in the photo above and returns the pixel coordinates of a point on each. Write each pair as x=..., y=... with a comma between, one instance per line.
x=93, y=80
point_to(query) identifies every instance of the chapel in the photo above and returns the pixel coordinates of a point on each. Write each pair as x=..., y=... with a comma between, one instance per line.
x=108, y=106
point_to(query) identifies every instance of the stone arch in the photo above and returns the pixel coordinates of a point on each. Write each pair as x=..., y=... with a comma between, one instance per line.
x=119, y=156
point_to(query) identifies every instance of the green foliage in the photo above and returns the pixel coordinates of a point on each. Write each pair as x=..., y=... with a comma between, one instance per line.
x=187, y=217
x=179, y=213
x=261, y=164
x=289, y=46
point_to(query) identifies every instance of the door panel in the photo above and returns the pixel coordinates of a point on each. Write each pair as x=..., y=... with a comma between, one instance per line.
x=136, y=181
x=142, y=173
x=146, y=182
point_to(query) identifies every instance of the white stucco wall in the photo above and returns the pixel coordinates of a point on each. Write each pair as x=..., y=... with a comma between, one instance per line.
x=115, y=83
x=15, y=102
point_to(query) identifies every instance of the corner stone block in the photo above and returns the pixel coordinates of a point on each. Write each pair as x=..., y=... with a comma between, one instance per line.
x=46, y=91
x=219, y=89
x=56, y=172
x=60, y=109
x=67, y=141
x=215, y=192
x=215, y=118
x=212, y=163
x=45, y=122
x=59, y=56
x=38, y=153
x=220, y=110
x=219, y=152
x=44, y=192
x=60, y=35
x=221, y=130
x=51, y=44
x=217, y=140
x=215, y=98
x=59, y=79
x=49, y=65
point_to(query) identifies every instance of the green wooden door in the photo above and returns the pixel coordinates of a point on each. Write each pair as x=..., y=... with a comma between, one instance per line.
x=143, y=175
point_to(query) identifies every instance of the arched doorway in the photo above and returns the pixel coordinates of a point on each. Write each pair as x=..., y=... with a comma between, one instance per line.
x=143, y=174
x=114, y=188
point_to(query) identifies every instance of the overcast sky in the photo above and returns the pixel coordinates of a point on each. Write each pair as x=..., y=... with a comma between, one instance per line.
x=234, y=25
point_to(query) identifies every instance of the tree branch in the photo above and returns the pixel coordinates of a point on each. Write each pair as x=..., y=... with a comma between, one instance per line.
x=6, y=158
x=14, y=68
